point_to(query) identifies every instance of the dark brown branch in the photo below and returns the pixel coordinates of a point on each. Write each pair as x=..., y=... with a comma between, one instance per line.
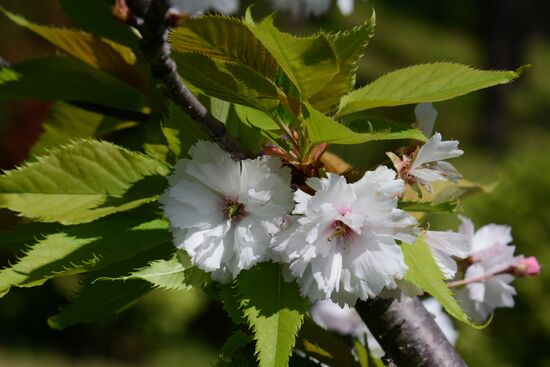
x=408, y=333
x=154, y=30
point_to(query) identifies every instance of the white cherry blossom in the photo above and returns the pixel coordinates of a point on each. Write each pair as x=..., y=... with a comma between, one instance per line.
x=341, y=243
x=491, y=253
x=426, y=115
x=224, y=212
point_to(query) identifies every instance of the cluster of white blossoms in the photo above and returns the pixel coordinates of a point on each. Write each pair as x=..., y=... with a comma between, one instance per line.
x=339, y=241
x=295, y=7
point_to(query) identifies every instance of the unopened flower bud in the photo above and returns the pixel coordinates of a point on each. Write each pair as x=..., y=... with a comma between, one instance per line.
x=527, y=267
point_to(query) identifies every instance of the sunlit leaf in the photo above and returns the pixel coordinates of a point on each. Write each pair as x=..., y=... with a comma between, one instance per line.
x=323, y=129
x=310, y=62
x=81, y=182
x=274, y=310
x=422, y=83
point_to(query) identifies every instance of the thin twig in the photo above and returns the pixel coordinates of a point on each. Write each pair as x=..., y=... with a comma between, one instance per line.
x=408, y=333
x=154, y=30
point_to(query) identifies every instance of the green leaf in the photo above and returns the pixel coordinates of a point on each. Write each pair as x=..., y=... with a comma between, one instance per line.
x=66, y=122
x=101, y=53
x=256, y=118
x=61, y=78
x=250, y=137
x=235, y=342
x=452, y=206
x=349, y=47
x=274, y=310
x=323, y=129
x=230, y=298
x=97, y=17
x=100, y=301
x=422, y=83
x=309, y=62
x=229, y=82
x=165, y=274
x=224, y=39
x=425, y=274
x=83, y=248
x=81, y=182
x=180, y=131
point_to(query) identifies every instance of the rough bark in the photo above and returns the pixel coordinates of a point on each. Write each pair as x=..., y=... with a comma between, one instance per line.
x=408, y=333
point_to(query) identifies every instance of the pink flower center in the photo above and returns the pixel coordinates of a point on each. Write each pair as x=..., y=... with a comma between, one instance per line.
x=233, y=210
x=340, y=231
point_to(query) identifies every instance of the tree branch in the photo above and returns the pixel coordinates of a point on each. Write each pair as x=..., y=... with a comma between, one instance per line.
x=154, y=30
x=408, y=333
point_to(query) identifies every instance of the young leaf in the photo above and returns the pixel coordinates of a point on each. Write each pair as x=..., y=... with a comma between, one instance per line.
x=349, y=47
x=66, y=122
x=248, y=135
x=425, y=274
x=230, y=82
x=100, y=301
x=55, y=78
x=255, y=118
x=224, y=39
x=310, y=62
x=422, y=83
x=83, y=248
x=323, y=129
x=274, y=310
x=81, y=182
x=106, y=55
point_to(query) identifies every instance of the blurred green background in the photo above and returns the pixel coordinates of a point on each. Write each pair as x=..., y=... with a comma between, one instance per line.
x=504, y=132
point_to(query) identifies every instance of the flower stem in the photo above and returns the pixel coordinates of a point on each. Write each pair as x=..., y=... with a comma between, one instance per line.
x=479, y=278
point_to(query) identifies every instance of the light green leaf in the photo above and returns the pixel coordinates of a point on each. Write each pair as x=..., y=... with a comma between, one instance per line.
x=165, y=274
x=101, y=53
x=274, y=310
x=323, y=129
x=256, y=118
x=230, y=82
x=425, y=274
x=66, y=122
x=96, y=16
x=180, y=131
x=83, y=248
x=422, y=83
x=57, y=78
x=224, y=39
x=349, y=47
x=81, y=182
x=310, y=62
x=248, y=135
x=100, y=301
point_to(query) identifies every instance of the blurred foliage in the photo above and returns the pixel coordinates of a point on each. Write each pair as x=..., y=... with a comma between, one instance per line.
x=183, y=329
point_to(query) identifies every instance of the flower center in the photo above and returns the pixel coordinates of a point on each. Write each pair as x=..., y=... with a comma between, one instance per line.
x=341, y=231
x=233, y=210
